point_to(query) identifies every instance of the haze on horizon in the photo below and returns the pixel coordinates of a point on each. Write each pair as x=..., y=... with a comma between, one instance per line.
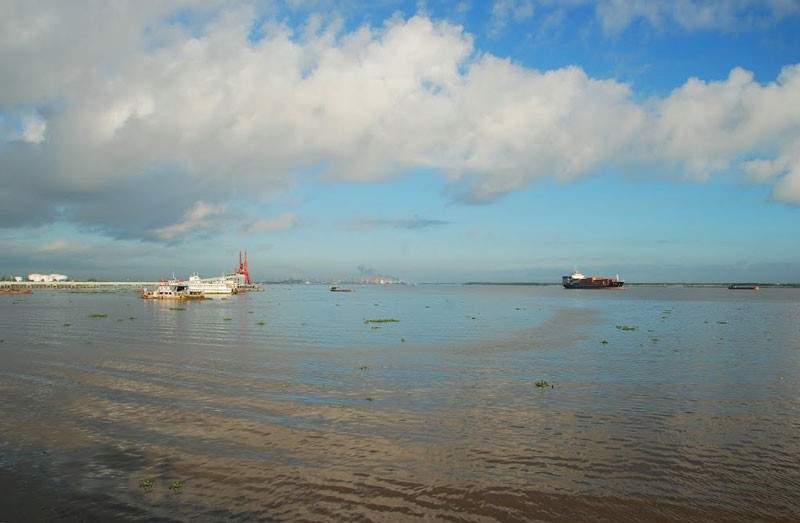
x=513, y=140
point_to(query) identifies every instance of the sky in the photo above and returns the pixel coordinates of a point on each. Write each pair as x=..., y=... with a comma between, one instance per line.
x=451, y=141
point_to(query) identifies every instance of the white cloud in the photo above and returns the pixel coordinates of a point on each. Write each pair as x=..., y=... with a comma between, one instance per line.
x=278, y=223
x=221, y=110
x=203, y=216
x=34, y=128
x=516, y=11
x=703, y=128
x=64, y=246
x=693, y=15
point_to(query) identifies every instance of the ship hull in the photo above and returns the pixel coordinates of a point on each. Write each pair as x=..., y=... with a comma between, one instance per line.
x=607, y=284
x=579, y=281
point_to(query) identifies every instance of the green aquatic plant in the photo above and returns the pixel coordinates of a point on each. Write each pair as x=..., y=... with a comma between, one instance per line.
x=543, y=384
x=604, y=342
x=98, y=315
x=226, y=319
x=722, y=322
x=626, y=328
x=67, y=324
x=381, y=320
x=132, y=318
x=262, y=323
x=175, y=486
x=363, y=367
x=177, y=309
x=147, y=484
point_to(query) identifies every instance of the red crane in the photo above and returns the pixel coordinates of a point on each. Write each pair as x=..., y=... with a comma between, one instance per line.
x=243, y=268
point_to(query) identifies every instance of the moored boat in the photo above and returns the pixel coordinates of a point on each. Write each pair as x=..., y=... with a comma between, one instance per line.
x=10, y=290
x=211, y=285
x=171, y=290
x=336, y=288
x=744, y=286
x=578, y=281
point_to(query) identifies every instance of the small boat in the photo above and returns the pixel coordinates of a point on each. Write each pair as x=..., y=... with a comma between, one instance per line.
x=171, y=290
x=744, y=286
x=336, y=288
x=9, y=290
x=578, y=281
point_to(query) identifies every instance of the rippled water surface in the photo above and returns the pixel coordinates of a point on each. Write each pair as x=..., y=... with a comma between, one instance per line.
x=661, y=404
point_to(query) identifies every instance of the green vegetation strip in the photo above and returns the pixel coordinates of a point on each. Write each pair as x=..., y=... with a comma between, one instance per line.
x=98, y=315
x=381, y=320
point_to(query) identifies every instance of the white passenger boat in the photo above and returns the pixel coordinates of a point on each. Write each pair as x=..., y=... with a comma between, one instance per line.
x=206, y=286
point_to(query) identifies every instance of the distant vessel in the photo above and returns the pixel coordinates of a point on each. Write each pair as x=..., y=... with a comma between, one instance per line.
x=339, y=289
x=578, y=281
x=744, y=286
x=9, y=290
x=198, y=285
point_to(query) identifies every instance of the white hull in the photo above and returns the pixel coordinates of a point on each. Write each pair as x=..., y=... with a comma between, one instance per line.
x=211, y=285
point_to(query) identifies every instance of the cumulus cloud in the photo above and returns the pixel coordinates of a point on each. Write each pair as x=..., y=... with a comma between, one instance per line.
x=201, y=217
x=144, y=111
x=708, y=127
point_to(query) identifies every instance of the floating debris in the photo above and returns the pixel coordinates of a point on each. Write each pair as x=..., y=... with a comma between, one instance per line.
x=543, y=384
x=626, y=328
x=98, y=315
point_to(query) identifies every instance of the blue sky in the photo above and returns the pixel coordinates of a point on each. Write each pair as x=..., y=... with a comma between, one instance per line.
x=428, y=141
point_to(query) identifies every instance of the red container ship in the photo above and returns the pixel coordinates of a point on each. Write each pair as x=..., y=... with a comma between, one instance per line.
x=578, y=281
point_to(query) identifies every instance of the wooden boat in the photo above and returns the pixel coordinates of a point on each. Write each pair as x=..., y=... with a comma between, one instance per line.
x=9, y=290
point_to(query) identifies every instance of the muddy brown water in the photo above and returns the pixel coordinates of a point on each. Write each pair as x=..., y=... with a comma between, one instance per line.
x=297, y=404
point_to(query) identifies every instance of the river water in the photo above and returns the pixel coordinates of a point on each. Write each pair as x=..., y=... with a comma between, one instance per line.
x=299, y=404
